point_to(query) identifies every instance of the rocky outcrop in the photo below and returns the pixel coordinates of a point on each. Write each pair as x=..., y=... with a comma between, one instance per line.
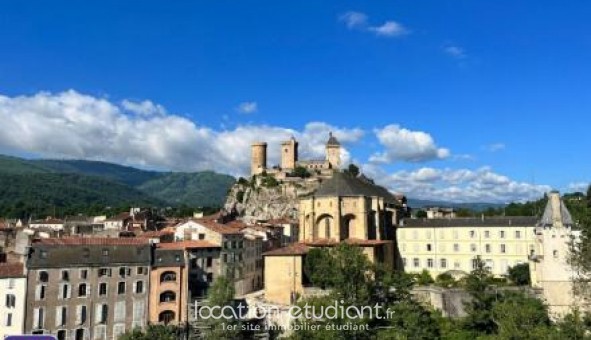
x=259, y=199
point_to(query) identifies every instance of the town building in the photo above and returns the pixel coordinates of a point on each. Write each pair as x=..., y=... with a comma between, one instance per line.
x=452, y=245
x=241, y=252
x=87, y=288
x=290, y=159
x=551, y=272
x=13, y=288
x=440, y=212
x=50, y=223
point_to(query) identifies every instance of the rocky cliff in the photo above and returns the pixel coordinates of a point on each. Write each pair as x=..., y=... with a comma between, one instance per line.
x=261, y=199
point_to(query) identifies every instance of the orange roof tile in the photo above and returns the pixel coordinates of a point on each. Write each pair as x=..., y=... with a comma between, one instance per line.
x=187, y=245
x=92, y=241
x=11, y=270
x=291, y=250
x=217, y=227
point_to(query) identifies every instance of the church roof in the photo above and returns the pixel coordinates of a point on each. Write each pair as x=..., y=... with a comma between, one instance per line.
x=556, y=207
x=344, y=184
x=332, y=140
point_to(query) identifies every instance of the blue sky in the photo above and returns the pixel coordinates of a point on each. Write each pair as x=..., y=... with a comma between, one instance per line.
x=473, y=100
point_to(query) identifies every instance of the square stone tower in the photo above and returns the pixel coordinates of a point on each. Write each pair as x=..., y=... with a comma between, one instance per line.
x=333, y=152
x=289, y=154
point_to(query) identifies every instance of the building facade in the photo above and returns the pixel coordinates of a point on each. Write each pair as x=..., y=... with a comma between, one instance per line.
x=550, y=270
x=13, y=288
x=87, y=288
x=452, y=245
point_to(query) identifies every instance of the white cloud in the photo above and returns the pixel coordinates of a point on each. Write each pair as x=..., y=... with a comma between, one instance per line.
x=248, y=107
x=455, y=51
x=405, y=145
x=495, y=147
x=457, y=185
x=389, y=29
x=74, y=125
x=354, y=19
x=578, y=187
x=358, y=20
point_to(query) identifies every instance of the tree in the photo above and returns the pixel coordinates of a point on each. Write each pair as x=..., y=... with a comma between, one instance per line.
x=152, y=332
x=221, y=294
x=301, y=172
x=479, y=308
x=319, y=267
x=518, y=316
x=519, y=274
x=353, y=170
x=421, y=214
x=410, y=320
x=424, y=278
x=445, y=280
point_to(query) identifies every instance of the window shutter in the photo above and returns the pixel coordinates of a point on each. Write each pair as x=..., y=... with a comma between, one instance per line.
x=58, y=316
x=88, y=290
x=38, y=292
x=78, y=315
x=98, y=313
x=120, y=311
x=36, y=318
x=60, y=291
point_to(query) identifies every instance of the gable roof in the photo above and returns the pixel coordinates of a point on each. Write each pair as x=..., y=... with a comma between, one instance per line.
x=332, y=140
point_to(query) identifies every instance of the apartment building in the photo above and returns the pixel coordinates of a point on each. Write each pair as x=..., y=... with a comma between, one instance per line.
x=87, y=288
x=443, y=245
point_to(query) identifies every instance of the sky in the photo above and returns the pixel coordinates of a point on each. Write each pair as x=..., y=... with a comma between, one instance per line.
x=456, y=100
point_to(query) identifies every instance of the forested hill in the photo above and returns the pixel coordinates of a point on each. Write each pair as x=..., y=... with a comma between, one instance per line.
x=45, y=187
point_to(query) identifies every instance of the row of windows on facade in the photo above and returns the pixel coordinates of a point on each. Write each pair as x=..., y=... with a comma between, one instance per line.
x=101, y=315
x=172, y=277
x=456, y=235
x=84, y=290
x=443, y=263
x=100, y=332
x=43, y=253
x=473, y=248
x=43, y=276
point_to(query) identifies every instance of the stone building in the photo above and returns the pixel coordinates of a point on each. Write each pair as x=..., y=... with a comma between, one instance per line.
x=240, y=252
x=550, y=270
x=344, y=209
x=289, y=159
x=443, y=245
x=13, y=288
x=87, y=288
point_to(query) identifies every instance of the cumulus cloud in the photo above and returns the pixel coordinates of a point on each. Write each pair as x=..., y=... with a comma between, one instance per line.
x=455, y=51
x=457, y=185
x=405, y=145
x=389, y=29
x=578, y=187
x=359, y=21
x=248, y=107
x=354, y=19
x=78, y=126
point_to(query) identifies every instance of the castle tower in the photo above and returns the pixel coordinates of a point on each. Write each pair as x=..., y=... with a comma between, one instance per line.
x=289, y=154
x=258, y=158
x=333, y=152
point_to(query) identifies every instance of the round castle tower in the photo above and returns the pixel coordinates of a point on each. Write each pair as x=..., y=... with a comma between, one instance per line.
x=258, y=159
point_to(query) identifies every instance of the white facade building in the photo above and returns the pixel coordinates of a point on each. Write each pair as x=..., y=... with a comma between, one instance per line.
x=13, y=288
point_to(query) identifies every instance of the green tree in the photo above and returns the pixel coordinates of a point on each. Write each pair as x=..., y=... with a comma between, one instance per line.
x=445, y=280
x=301, y=172
x=421, y=214
x=424, y=278
x=519, y=274
x=319, y=267
x=221, y=294
x=152, y=332
x=410, y=320
x=518, y=316
x=479, y=308
x=353, y=170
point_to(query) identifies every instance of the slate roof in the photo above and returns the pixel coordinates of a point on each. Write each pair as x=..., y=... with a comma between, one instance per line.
x=522, y=221
x=92, y=241
x=344, y=184
x=332, y=140
x=548, y=216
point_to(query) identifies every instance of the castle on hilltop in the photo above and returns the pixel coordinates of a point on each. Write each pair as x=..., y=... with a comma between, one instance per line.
x=290, y=161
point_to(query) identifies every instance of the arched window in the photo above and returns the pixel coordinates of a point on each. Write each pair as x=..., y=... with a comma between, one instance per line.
x=168, y=296
x=166, y=317
x=168, y=277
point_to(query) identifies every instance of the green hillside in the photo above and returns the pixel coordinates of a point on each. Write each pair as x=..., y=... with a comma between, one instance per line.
x=45, y=187
x=201, y=188
x=42, y=194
